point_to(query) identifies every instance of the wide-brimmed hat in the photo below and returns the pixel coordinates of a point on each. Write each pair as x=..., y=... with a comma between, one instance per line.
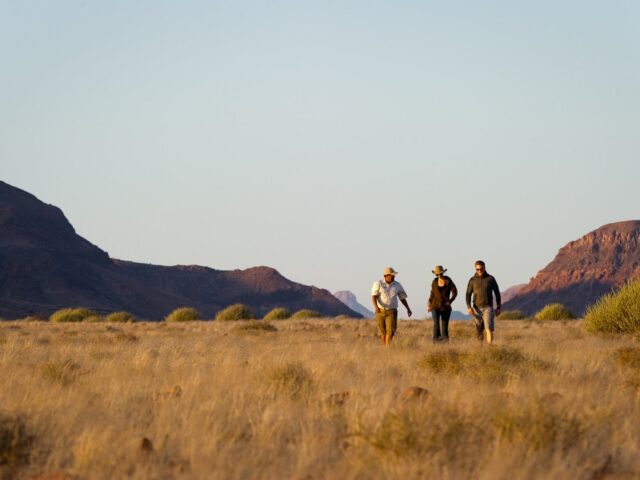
x=438, y=270
x=390, y=271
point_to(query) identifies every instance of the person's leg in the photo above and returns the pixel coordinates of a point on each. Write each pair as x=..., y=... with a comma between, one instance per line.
x=444, y=320
x=488, y=317
x=479, y=323
x=435, y=315
x=381, y=325
x=391, y=321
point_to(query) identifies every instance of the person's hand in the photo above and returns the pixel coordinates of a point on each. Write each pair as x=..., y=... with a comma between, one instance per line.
x=447, y=304
x=377, y=310
x=498, y=310
x=428, y=309
x=470, y=311
x=409, y=312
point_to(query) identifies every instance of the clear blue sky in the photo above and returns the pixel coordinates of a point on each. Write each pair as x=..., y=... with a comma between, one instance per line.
x=326, y=140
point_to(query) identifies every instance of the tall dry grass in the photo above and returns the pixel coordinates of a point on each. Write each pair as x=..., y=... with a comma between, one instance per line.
x=316, y=399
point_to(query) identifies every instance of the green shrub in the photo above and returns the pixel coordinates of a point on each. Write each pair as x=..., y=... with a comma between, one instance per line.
x=121, y=317
x=512, y=315
x=71, y=315
x=93, y=319
x=278, y=313
x=184, y=314
x=305, y=313
x=236, y=311
x=616, y=312
x=554, y=311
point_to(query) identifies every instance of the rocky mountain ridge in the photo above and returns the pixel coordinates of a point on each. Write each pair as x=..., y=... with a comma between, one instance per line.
x=45, y=265
x=584, y=270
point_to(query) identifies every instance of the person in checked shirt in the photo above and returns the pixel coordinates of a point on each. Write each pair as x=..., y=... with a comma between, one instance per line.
x=384, y=295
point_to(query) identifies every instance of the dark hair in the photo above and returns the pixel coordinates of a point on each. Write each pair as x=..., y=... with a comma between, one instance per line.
x=479, y=262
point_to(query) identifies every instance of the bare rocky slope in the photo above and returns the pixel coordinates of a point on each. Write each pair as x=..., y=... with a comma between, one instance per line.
x=349, y=299
x=584, y=270
x=45, y=265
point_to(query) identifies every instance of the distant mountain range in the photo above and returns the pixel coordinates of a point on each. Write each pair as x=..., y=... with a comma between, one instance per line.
x=349, y=299
x=584, y=270
x=45, y=266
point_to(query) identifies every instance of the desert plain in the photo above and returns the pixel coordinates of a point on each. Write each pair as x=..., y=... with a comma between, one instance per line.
x=316, y=399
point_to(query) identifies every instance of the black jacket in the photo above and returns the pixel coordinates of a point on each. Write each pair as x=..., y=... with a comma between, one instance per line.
x=441, y=298
x=483, y=289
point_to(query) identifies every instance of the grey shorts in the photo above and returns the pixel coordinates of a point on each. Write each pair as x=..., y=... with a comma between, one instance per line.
x=484, y=317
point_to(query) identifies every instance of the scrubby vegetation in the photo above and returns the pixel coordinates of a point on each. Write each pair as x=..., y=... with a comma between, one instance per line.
x=316, y=398
x=237, y=311
x=616, y=312
x=306, y=313
x=278, y=313
x=71, y=315
x=254, y=326
x=512, y=315
x=554, y=311
x=121, y=317
x=184, y=314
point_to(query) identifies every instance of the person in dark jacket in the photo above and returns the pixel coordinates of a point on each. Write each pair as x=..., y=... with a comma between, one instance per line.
x=482, y=287
x=443, y=293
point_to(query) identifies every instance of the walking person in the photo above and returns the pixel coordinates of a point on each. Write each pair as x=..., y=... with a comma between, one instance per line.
x=482, y=287
x=384, y=295
x=443, y=293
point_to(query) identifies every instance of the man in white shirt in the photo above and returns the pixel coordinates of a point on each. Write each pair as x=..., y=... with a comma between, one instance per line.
x=384, y=295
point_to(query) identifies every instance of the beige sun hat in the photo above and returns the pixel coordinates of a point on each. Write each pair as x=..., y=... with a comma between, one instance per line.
x=438, y=270
x=390, y=271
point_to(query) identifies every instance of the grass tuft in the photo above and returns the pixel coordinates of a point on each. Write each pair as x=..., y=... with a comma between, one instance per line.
x=306, y=313
x=254, y=326
x=293, y=380
x=15, y=445
x=616, y=312
x=184, y=314
x=278, y=313
x=237, y=311
x=71, y=315
x=554, y=311
x=62, y=372
x=121, y=317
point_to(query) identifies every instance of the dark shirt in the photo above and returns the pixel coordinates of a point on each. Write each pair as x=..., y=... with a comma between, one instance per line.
x=441, y=298
x=482, y=289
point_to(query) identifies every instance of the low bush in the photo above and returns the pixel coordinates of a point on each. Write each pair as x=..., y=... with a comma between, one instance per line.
x=555, y=311
x=512, y=315
x=237, y=311
x=184, y=314
x=93, y=319
x=306, y=313
x=121, y=317
x=616, y=312
x=278, y=313
x=71, y=315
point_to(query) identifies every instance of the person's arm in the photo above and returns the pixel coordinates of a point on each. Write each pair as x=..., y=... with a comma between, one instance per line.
x=431, y=295
x=375, y=293
x=496, y=291
x=454, y=292
x=404, y=302
x=374, y=300
x=468, y=296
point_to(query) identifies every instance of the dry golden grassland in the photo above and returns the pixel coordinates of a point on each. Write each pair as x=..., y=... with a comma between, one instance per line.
x=315, y=399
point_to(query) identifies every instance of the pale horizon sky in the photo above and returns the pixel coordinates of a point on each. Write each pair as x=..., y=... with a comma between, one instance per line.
x=327, y=140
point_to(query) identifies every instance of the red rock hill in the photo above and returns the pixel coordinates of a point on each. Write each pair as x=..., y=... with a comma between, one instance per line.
x=584, y=270
x=45, y=265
